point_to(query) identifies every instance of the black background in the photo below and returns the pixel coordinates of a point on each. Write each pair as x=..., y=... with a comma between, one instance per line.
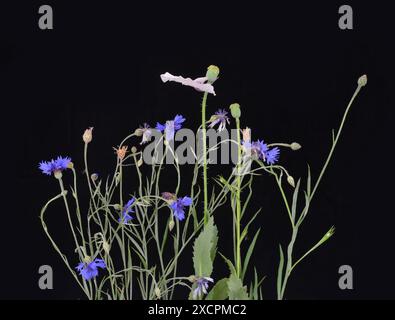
x=289, y=66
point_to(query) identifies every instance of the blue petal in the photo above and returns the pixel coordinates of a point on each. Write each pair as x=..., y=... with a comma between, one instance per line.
x=160, y=127
x=186, y=201
x=99, y=263
x=178, y=120
x=179, y=213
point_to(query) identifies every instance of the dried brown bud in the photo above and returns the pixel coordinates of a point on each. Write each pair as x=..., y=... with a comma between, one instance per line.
x=246, y=134
x=87, y=136
x=121, y=152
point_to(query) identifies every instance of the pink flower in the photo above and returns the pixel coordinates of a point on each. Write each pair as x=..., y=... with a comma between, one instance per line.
x=199, y=84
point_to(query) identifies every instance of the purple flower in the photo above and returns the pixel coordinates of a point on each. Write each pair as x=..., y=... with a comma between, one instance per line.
x=178, y=207
x=260, y=150
x=170, y=127
x=199, y=84
x=202, y=286
x=272, y=155
x=145, y=132
x=89, y=270
x=220, y=118
x=256, y=148
x=60, y=164
x=126, y=210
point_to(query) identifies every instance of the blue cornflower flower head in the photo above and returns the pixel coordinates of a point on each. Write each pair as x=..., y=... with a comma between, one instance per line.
x=260, y=150
x=170, y=127
x=272, y=155
x=201, y=286
x=89, y=270
x=256, y=149
x=54, y=166
x=126, y=217
x=221, y=118
x=178, y=207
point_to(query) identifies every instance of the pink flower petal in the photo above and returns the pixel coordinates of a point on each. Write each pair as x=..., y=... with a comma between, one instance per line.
x=199, y=83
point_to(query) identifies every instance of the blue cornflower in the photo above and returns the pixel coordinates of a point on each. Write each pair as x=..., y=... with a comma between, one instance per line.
x=89, y=270
x=126, y=210
x=256, y=148
x=272, y=155
x=178, y=207
x=202, y=286
x=260, y=150
x=49, y=167
x=220, y=118
x=170, y=127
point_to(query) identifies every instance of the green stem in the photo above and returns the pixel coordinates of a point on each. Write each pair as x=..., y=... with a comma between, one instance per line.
x=69, y=218
x=290, y=265
x=43, y=210
x=204, y=134
x=335, y=140
x=238, y=202
x=92, y=196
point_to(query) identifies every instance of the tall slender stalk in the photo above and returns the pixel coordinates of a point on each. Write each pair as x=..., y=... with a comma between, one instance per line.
x=204, y=137
x=295, y=227
x=238, y=201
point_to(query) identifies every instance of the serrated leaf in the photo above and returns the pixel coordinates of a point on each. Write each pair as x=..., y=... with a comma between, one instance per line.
x=219, y=291
x=204, y=249
x=236, y=289
x=230, y=264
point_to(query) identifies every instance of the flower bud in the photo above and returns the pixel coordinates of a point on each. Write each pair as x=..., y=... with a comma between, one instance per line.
x=70, y=165
x=87, y=259
x=246, y=134
x=58, y=174
x=138, y=132
x=157, y=292
x=235, y=110
x=212, y=73
x=140, y=162
x=363, y=80
x=171, y=225
x=291, y=181
x=134, y=149
x=106, y=247
x=94, y=177
x=117, y=206
x=87, y=136
x=295, y=146
x=192, y=278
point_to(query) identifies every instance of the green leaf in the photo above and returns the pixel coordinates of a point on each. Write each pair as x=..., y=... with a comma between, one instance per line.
x=308, y=181
x=219, y=291
x=280, y=272
x=230, y=264
x=245, y=230
x=249, y=253
x=295, y=201
x=236, y=289
x=204, y=249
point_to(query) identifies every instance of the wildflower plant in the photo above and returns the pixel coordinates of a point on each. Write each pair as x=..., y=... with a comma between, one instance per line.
x=129, y=241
